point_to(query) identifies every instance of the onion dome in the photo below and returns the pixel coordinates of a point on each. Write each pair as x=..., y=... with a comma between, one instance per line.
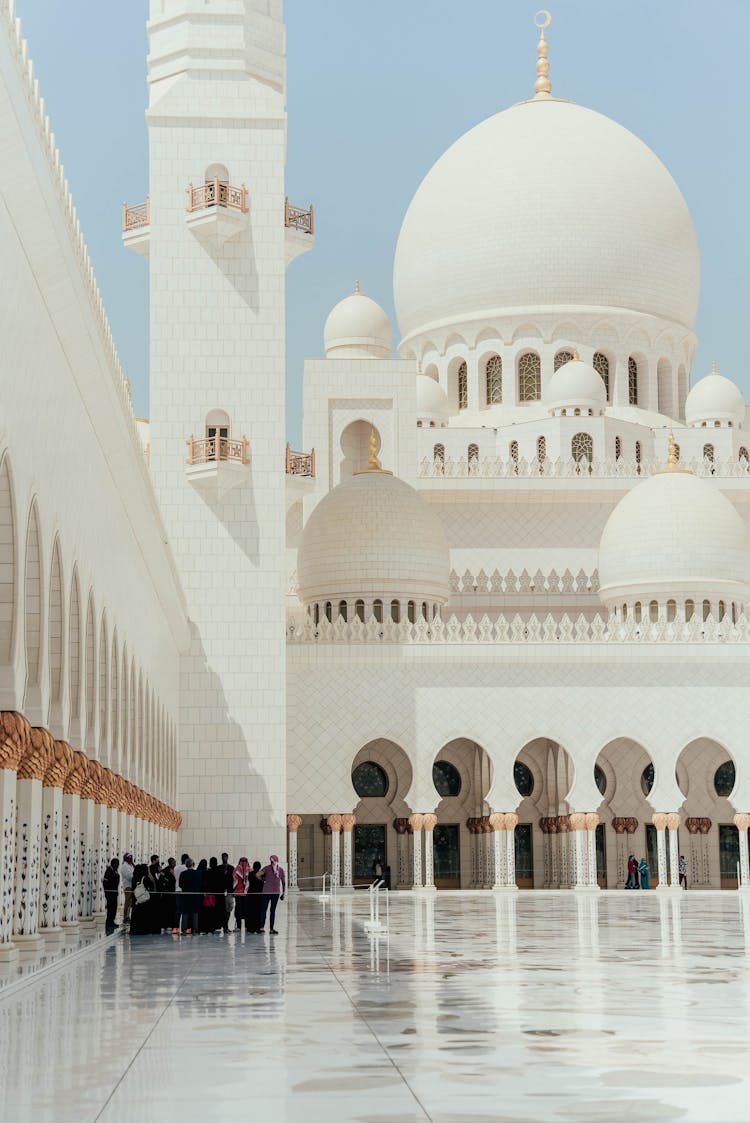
x=576, y=385
x=715, y=399
x=357, y=328
x=432, y=401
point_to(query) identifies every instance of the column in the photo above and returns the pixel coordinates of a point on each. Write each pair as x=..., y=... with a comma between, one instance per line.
x=293, y=824
x=51, y=888
x=673, y=822
x=511, y=822
x=416, y=822
x=71, y=840
x=402, y=828
x=15, y=733
x=347, y=826
x=428, y=826
x=592, y=822
x=660, y=822
x=563, y=834
x=89, y=851
x=578, y=829
x=334, y=822
x=34, y=763
x=742, y=822
x=497, y=822
x=489, y=852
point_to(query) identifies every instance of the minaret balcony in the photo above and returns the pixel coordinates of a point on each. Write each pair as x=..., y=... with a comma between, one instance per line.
x=136, y=227
x=300, y=230
x=216, y=210
x=300, y=474
x=217, y=464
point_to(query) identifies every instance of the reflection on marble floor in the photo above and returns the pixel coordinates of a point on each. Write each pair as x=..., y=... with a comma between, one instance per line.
x=538, y=1007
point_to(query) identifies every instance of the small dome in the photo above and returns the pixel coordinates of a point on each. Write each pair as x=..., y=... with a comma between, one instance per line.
x=373, y=536
x=674, y=536
x=576, y=385
x=357, y=328
x=715, y=398
x=432, y=400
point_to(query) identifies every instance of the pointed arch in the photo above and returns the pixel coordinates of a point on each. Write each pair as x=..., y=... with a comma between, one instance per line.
x=90, y=673
x=114, y=704
x=124, y=714
x=132, y=727
x=8, y=580
x=74, y=655
x=103, y=691
x=33, y=608
x=55, y=639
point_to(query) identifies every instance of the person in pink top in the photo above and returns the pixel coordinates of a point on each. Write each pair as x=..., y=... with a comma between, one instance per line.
x=274, y=886
x=241, y=873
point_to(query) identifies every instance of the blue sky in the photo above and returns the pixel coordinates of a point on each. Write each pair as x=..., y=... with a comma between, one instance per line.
x=378, y=89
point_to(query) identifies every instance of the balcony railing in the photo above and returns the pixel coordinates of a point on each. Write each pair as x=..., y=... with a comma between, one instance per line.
x=300, y=463
x=213, y=449
x=133, y=218
x=298, y=219
x=216, y=193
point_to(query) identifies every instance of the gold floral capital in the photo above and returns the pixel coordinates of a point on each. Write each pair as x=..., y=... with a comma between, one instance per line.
x=592, y=821
x=15, y=734
x=497, y=821
x=334, y=822
x=659, y=819
x=511, y=821
x=429, y=822
x=578, y=821
x=348, y=823
x=92, y=780
x=742, y=821
x=293, y=823
x=77, y=774
x=60, y=766
x=673, y=820
x=40, y=752
x=416, y=822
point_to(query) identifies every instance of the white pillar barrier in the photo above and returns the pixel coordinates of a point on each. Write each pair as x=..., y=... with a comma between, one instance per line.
x=511, y=822
x=334, y=822
x=497, y=822
x=293, y=824
x=673, y=822
x=742, y=823
x=37, y=757
x=660, y=822
x=15, y=733
x=71, y=842
x=429, y=822
x=51, y=888
x=416, y=822
x=348, y=823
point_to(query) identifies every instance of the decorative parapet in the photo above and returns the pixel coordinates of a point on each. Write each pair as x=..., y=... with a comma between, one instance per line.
x=210, y=450
x=216, y=193
x=518, y=630
x=135, y=218
x=300, y=463
x=297, y=218
x=510, y=583
x=496, y=468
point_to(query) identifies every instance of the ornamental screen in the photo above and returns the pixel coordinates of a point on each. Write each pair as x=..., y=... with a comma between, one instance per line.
x=529, y=377
x=632, y=381
x=494, y=377
x=463, y=387
x=582, y=447
x=563, y=357
x=724, y=779
x=369, y=780
x=446, y=779
x=523, y=779
x=600, y=364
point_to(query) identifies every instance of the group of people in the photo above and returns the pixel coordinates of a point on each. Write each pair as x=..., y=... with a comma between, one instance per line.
x=182, y=898
x=639, y=874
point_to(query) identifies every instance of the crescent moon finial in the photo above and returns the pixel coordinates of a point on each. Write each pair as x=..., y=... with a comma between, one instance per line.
x=542, y=86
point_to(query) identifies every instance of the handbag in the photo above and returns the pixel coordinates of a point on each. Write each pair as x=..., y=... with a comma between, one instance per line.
x=141, y=894
x=230, y=901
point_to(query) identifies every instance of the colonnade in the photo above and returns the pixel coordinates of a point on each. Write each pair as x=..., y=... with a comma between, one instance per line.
x=64, y=816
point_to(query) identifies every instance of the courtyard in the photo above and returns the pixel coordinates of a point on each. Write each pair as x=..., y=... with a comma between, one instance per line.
x=487, y=1007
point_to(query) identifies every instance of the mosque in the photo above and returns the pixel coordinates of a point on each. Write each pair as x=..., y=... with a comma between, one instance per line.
x=488, y=629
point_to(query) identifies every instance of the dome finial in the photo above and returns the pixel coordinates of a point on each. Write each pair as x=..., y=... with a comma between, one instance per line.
x=673, y=458
x=373, y=464
x=356, y=287
x=713, y=367
x=542, y=86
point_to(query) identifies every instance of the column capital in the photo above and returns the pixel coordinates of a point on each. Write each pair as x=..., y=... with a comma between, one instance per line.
x=673, y=820
x=293, y=823
x=77, y=774
x=334, y=822
x=15, y=734
x=497, y=821
x=429, y=822
x=659, y=819
x=402, y=826
x=703, y=825
x=563, y=824
x=416, y=822
x=592, y=820
x=741, y=821
x=59, y=766
x=627, y=825
x=577, y=821
x=511, y=820
x=348, y=823
x=38, y=756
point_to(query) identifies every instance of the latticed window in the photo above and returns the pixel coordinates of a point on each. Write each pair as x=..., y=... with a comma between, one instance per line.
x=638, y=456
x=494, y=376
x=438, y=458
x=632, y=381
x=514, y=451
x=743, y=456
x=541, y=449
x=600, y=364
x=369, y=779
x=529, y=377
x=582, y=447
x=473, y=454
x=563, y=357
x=463, y=386
x=618, y=448
x=708, y=453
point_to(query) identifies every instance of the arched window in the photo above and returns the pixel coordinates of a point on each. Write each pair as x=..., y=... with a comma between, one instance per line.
x=600, y=363
x=632, y=381
x=328, y=611
x=724, y=779
x=743, y=457
x=438, y=458
x=523, y=779
x=722, y=610
x=529, y=377
x=473, y=455
x=217, y=435
x=342, y=609
x=514, y=456
x=689, y=609
x=563, y=357
x=370, y=780
x=582, y=447
x=494, y=380
x=638, y=457
x=411, y=614
x=541, y=450
x=377, y=610
x=425, y=614
x=653, y=612
x=359, y=610
x=671, y=611
x=600, y=779
x=395, y=612
x=708, y=453
x=446, y=778
x=463, y=386
x=618, y=448
x=637, y=612
x=706, y=610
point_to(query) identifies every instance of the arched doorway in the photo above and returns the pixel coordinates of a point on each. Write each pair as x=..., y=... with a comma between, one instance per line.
x=624, y=775
x=355, y=448
x=708, y=838
x=462, y=776
x=543, y=774
x=381, y=778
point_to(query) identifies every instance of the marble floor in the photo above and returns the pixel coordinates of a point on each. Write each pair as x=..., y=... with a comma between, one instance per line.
x=544, y=1007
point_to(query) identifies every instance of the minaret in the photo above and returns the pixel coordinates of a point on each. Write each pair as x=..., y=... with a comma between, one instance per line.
x=218, y=243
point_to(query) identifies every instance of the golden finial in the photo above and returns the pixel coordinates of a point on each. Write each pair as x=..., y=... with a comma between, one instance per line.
x=542, y=86
x=356, y=287
x=576, y=356
x=373, y=464
x=713, y=367
x=673, y=458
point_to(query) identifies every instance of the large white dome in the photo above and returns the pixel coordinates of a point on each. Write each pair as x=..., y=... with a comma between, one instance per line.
x=715, y=398
x=373, y=536
x=545, y=205
x=674, y=536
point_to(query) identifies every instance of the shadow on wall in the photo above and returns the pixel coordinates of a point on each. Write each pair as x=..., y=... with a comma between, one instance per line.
x=223, y=798
x=237, y=514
